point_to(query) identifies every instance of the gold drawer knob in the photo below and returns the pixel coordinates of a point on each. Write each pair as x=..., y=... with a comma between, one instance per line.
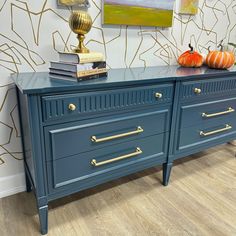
x=158, y=95
x=72, y=107
x=197, y=90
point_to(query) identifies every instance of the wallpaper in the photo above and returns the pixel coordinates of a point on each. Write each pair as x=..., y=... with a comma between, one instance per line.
x=32, y=32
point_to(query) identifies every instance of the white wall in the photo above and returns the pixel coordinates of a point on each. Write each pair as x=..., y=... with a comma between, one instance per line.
x=32, y=31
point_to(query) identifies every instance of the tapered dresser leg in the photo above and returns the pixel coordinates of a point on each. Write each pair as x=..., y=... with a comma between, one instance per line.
x=43, y=219
x=166, y=173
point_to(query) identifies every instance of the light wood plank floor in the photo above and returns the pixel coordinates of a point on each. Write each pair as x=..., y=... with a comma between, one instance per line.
x=200, y=200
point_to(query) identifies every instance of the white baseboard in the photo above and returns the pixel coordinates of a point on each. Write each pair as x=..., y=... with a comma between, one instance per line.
x=13, y=184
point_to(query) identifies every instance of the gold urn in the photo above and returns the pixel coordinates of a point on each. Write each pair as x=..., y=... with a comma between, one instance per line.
x=80, y=23
x=71, y=2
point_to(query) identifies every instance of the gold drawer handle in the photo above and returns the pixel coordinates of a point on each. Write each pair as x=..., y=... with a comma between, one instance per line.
x=72, y=107
x=98, y=140
x=230, y=109
x=138, y=151
x=197, y=90
x=227, y=127
x=158, y=95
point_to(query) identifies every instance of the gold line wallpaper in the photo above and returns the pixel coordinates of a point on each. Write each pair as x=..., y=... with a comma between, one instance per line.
x=32, y=32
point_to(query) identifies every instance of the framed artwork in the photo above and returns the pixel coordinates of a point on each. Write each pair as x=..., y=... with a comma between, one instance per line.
x=138, y=12
x=82, y=3
x=187, y=7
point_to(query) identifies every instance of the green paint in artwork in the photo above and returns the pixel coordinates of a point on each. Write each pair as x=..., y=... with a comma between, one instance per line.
x=130, y=15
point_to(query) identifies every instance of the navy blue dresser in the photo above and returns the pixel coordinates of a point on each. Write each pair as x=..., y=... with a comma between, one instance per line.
x=79, y=135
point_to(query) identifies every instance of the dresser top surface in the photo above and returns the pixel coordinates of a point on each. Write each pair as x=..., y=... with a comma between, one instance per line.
x=40, y=82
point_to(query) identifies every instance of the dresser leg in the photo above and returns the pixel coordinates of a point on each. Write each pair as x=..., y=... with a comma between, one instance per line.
x=166, y=173
x=43, y=219
x=28, y=183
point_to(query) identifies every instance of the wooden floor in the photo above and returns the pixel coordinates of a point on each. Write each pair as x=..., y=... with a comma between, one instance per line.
x=200, y=200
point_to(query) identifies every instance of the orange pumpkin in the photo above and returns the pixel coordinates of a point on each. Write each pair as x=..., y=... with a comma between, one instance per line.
x=220, y=59
x=190, y=58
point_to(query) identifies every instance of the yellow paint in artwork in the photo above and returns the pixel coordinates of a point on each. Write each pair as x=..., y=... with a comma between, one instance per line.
x=132, y=15
x=189, y=6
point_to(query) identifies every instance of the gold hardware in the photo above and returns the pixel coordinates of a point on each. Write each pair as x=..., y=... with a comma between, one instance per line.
x=158, y=95
x=197, y=90
x=137, y=131
x=230, y=109
x=72, y=107
x=71, y=2
x=138, y=151
x=227, y=127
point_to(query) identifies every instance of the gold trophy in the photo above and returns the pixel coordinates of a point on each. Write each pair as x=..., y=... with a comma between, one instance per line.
x=80, y=23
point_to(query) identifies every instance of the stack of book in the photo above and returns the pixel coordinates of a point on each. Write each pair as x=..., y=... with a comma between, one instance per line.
x=78, y=66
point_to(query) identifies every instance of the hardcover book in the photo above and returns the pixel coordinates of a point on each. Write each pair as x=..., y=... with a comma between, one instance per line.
x=76, y=79
x=71, y=57
x=78, y=74
x=77, y=67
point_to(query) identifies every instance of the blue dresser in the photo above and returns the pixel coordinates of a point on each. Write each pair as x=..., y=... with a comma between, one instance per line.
x=79, y=135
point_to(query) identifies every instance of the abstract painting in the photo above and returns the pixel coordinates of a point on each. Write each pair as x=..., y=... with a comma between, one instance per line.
x=187, y=7
x=138, y=12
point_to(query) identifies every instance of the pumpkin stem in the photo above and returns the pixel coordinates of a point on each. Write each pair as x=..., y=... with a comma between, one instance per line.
x=209, y=49
x=191, y=47
x=220, y=45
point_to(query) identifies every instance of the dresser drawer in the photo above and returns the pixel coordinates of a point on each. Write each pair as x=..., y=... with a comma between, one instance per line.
x=204, y=89
x=78, y=104
x=195, y=136
x=69, y=139
x=103, y=163
x=214, y=113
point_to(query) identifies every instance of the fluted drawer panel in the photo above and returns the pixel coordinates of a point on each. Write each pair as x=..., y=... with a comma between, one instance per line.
x=208, y=88
x=56, y=107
